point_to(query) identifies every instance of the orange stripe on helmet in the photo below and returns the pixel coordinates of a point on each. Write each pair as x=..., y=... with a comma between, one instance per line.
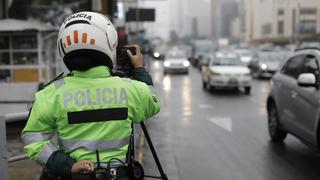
x=92, y=41
x=75, y=36
x=68, y=40
x=84, y=37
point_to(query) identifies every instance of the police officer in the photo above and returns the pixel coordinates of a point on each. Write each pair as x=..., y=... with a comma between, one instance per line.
x=89, y=109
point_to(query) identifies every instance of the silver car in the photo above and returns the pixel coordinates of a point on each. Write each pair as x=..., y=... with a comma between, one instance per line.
x=265, y=64
x=226, y=70
x=246, y=55
x=294, y=100
x=176, y=62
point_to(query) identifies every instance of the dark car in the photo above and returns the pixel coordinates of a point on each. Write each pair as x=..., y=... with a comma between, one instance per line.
x=159, y=52
x=200, y=49
x=265, y=64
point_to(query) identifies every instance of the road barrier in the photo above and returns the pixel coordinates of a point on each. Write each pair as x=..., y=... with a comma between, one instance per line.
x=4, y=160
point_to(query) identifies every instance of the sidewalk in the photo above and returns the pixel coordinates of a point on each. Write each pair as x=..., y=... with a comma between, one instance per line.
x=24, y=170
x=21, y=170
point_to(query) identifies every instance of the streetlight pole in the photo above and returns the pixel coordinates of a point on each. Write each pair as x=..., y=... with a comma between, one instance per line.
x=137, y=19
x=299, y=23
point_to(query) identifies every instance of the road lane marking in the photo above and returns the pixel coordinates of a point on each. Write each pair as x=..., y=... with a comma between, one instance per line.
x=224, y=122
x=254, y=100
x=260, y=103
x=205, y=106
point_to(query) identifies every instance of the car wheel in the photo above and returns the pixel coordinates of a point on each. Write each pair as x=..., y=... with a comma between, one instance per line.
x=255, y=75
x=209, y=87
x=247, y=90
x=276, y=133
x=204, y=84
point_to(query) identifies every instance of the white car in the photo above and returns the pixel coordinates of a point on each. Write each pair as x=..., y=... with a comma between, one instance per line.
x=226, y=70
x=176, y=62
x=245, y=55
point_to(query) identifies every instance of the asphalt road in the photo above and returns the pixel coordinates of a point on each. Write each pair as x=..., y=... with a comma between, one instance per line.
x=220, y=135
x=200, y=135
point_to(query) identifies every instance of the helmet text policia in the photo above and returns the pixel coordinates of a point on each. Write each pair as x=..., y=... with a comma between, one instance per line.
x=87, y=39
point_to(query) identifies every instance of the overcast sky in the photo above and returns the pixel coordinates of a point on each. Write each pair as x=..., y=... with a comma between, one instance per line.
x=177, y=15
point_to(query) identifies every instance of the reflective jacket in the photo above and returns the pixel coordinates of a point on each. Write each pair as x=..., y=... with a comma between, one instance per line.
x=89, y=110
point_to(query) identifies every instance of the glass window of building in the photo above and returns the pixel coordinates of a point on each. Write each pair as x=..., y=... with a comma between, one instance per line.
x=4, y=42
x=5, y=75
x=4, y=58
x=24, y=58
x=280, y=27
x=24, y=42
x=308, y=11
x=280, y=12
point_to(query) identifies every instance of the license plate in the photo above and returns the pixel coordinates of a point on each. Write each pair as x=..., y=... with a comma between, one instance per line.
x=176, y=64
x=233, y=81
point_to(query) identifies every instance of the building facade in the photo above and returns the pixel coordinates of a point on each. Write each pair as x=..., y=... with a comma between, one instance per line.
x=184, y=17
x=229, y=12
x=280, y=21
x=27, y=51
x=2, y=9
x=215, y=14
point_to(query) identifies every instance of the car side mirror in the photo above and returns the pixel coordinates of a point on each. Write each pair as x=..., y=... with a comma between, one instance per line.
x=307, y=80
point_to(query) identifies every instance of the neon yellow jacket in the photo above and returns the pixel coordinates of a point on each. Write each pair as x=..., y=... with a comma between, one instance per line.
x=90, y=110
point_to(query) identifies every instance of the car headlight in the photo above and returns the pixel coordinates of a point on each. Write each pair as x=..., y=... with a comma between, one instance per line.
x=166, y=63
x=156, y=54
x=186, y=63
x=246, y=59
x=263, y=66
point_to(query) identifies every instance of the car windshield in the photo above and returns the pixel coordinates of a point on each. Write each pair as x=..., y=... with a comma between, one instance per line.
x=243, y=52
x=204, y=46
x=270, y=58
x=226, y=61
x=160, y=49
x=176, y=55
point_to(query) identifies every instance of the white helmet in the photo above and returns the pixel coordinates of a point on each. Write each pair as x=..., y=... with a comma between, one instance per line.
x=87, y=34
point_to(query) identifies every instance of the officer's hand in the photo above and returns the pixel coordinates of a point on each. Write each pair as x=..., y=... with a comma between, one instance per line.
x=137, y=60
x=82, y=166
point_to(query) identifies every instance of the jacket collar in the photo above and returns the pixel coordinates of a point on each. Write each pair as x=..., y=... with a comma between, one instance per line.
x=95, y=72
